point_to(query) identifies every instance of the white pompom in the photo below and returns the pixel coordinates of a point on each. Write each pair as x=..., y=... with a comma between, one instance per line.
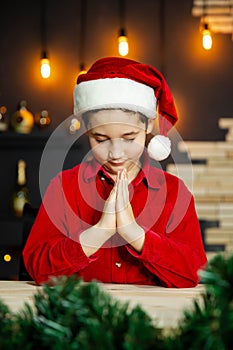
x=159, y=147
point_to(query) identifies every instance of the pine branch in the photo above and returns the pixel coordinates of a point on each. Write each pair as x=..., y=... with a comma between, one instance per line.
x=72, y=315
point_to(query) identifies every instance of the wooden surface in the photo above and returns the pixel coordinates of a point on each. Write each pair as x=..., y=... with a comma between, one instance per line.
x=164, y=305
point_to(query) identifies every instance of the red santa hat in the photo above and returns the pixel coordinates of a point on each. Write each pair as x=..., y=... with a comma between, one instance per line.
x=116, y=82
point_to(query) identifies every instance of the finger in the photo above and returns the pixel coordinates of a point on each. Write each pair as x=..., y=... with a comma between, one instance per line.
x=120, y=174
x=120, y=201
x=125, y=175
x=125, y=189
x=112, y=195
x=110, y=203
x=122, y=196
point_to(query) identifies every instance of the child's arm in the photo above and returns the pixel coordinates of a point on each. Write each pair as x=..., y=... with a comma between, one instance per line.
x=94, y=237
x=60, y=242
x=50, y=248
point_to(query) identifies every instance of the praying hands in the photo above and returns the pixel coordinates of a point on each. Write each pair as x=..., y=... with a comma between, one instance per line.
x=117, y=217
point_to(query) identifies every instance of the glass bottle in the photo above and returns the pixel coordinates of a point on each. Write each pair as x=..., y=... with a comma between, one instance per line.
x=22, y=120
x=3, y=118
x=42, y=119
x=21, y=193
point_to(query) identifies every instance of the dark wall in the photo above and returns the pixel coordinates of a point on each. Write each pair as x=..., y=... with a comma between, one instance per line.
x=201, y=81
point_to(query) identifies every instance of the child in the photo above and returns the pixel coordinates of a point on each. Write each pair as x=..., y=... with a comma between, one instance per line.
x=116, y=218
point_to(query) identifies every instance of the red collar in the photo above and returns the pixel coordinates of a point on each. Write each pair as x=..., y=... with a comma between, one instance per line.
x=150, y=174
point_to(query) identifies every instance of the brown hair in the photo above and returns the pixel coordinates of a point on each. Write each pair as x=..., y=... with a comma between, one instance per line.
x=142, y=117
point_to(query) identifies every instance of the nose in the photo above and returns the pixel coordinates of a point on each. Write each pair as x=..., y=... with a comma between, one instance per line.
x=116, y=149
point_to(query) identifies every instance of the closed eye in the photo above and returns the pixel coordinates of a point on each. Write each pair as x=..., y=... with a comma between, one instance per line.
x=124, y=139
x=130, y=140
x=99, y=141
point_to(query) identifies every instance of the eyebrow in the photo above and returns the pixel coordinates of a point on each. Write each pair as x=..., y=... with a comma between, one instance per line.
x=131, y=133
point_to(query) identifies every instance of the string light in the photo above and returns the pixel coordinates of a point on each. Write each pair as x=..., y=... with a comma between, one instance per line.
x=123, y=44
x=206, y=37
x=206, y=34
x=83, y=15
x=45, y=69
x=7, y=258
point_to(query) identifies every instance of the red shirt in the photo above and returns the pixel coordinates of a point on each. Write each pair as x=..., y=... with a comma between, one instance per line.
x=173, y=251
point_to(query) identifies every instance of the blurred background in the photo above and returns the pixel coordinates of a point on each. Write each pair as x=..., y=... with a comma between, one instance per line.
x=163, y=33
x=72, y=34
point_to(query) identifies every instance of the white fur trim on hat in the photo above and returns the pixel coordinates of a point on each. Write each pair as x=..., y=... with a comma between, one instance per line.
x=159, y=147
x=114, y=93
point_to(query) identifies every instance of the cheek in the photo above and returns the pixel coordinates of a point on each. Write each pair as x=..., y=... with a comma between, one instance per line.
x=135, y=149
x=100, y=151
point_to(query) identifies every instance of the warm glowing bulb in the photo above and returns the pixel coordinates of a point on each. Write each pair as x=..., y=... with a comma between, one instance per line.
x=45, y=68
x=206, y=37
x=123, y=46
x=7, y=258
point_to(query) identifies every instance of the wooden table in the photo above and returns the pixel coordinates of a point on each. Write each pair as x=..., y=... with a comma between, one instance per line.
x=164, y=305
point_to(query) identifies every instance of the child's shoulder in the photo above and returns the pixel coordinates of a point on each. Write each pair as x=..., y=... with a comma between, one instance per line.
x=68, y=175
x=163, y=176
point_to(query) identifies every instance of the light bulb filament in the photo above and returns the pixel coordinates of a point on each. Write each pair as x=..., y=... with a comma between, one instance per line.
x=206, y=39
x=123, y=46
x=45, y=68
x=206, y=36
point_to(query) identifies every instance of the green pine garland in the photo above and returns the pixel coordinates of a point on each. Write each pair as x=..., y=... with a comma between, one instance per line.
x=209, y=326
x=75, y=315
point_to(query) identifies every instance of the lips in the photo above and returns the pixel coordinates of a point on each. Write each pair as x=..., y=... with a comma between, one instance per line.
x=116, y=163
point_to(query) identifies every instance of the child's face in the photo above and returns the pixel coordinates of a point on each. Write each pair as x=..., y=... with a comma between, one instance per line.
x=117, y=139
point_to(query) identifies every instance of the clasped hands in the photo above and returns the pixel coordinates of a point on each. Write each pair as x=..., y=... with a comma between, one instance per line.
x=118, y=214
x=117, y=217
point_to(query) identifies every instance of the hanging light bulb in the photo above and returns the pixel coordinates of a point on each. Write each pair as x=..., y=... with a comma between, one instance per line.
x=44, y=61
x=123, y=45
x=206, y=34
x=45, y=66
x=206, y=37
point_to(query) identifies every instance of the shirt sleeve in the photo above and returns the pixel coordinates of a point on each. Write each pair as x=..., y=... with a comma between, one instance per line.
x=50, y=248
x=175, y=256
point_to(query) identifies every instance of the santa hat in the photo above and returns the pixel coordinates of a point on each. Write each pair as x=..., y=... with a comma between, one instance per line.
x=115, y=82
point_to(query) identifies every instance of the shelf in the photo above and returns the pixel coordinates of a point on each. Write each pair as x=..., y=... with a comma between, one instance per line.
x=11, y=232
x=9, y=140
x=36, y=140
